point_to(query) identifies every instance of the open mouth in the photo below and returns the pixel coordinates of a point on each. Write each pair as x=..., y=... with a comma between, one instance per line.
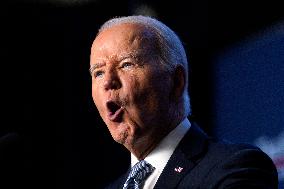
x=114, y=111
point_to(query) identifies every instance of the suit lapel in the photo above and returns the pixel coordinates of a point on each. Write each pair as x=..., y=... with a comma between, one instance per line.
x=123, y=179
x=183, y=159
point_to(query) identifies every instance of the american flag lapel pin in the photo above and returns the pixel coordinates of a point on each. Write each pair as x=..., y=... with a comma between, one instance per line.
x=178, y=169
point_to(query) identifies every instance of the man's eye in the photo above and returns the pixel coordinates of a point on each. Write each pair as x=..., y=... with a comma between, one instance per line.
x=127, y=65
x=98, y=73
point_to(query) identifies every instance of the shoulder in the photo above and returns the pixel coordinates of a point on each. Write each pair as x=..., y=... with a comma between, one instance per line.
x=223, y=164
x=196, y=144
x=239, y=154
x=219, y=150
x=231, y=165
x=240, y=165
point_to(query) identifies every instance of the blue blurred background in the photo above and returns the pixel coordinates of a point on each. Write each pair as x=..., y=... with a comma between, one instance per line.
x=52, y=134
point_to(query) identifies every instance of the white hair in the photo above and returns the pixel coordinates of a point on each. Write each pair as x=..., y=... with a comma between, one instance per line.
x=172, y=52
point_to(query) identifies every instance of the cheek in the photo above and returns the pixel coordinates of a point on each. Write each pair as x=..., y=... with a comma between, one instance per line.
x=135, y=89
x=154, y=94
x=142, y=94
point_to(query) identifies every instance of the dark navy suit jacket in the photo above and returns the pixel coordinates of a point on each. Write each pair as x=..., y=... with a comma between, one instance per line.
x=211, y=164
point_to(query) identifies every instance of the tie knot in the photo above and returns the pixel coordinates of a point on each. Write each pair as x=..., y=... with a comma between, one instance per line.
x=141, y=170
x=138, y=174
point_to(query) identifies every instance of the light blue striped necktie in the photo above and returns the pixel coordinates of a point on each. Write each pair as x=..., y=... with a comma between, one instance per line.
x=138, y=174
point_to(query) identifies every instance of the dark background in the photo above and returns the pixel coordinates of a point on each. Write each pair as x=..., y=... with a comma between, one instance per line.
x=52, y=135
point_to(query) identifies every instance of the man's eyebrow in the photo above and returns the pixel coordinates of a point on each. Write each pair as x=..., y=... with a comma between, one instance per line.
x=95, y=66
x=134, y=54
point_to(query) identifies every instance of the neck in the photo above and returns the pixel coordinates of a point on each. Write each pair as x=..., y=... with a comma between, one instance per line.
x=144, y=145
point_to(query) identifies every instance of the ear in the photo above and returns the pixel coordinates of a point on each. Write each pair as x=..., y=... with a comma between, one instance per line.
x=178, y=82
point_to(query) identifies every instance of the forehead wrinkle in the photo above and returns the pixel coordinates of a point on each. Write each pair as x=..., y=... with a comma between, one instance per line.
x=133, y=54
x=121, y=56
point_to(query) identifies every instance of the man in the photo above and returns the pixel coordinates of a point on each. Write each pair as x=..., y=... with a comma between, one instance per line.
x=139, y=86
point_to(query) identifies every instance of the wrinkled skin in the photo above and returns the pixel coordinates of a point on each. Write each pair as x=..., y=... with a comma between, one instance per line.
x=125, y=70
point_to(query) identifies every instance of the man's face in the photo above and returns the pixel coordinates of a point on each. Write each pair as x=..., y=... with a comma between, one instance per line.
x=130, y=88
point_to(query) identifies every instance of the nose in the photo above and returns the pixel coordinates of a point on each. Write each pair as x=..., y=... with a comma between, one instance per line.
x=111, y=81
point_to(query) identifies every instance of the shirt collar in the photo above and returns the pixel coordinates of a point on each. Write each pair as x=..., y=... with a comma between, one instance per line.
x=159, y=157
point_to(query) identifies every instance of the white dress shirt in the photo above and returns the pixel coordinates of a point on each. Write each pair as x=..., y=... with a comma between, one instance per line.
x=159, y=157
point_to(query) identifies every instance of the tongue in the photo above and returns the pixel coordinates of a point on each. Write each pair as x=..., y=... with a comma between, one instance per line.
x=113, y=107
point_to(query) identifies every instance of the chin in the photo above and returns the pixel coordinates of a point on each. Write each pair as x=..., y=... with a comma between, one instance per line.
x=122, y=133
x=120, y=137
